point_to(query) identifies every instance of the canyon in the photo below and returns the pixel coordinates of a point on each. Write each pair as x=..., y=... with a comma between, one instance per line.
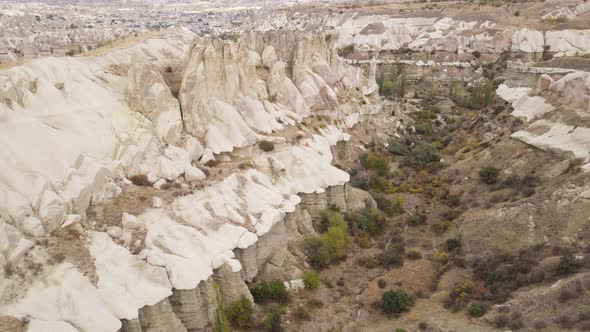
x=151, y=185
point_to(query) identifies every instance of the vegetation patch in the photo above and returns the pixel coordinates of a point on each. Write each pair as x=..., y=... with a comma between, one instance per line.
x=332, y=244
x=396, y=302
x=311, y=280
x=273, y=290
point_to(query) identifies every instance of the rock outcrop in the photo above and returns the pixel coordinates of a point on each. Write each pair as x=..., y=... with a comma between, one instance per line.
x=165, y=260
x=377, y=33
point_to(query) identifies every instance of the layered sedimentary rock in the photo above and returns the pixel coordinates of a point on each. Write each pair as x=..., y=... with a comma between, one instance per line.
x=425, y=34
x=167, y=265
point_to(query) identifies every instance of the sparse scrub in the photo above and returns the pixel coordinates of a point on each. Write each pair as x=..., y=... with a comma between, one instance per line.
x=301, y=314
x=314, y=303
x=393, y=255
x=417, y=218
x=273, y=318
x=460, y=294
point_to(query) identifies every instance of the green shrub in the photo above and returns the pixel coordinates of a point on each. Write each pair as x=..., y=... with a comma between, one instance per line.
x=266, y=145
x=453, y=200
x=388, y=88
x=567, y=265
x=369, y=221
x=273, y=319
x=221, y=322
x=274, y=290
x=388, y=206
x=377, y=163
x=398, y=148
x=423, y=128
x=240, y=313
x=475, y=310
x=453, y=244
x=361, y=180
x=395, y=302
x=489, y=174
x=421, y=154
x=311, y=280
x=330, y=246
x=517, y=13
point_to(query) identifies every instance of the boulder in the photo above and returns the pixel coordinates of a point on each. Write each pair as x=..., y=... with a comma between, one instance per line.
x=544, y=82
x=357, y=198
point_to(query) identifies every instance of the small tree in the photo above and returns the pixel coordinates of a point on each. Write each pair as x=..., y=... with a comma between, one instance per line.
x=388, y=88
x=489, y=174
x=475, y=310
x=311, y=280
x=488, y=92
x=240, y=313
x=402, y=83
x=395, y=302
x=380, y=81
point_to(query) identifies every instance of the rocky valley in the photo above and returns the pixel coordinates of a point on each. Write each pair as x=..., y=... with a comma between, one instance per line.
x=336, y=166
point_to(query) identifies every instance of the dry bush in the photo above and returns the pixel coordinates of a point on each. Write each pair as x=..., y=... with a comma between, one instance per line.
x=140, y=180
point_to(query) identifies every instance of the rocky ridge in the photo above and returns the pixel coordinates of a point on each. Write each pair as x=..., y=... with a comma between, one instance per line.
x=385, y=33
x=167, y=266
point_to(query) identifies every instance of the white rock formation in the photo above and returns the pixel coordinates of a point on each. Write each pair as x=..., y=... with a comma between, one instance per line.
x=93, y=121
x=386, y=33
